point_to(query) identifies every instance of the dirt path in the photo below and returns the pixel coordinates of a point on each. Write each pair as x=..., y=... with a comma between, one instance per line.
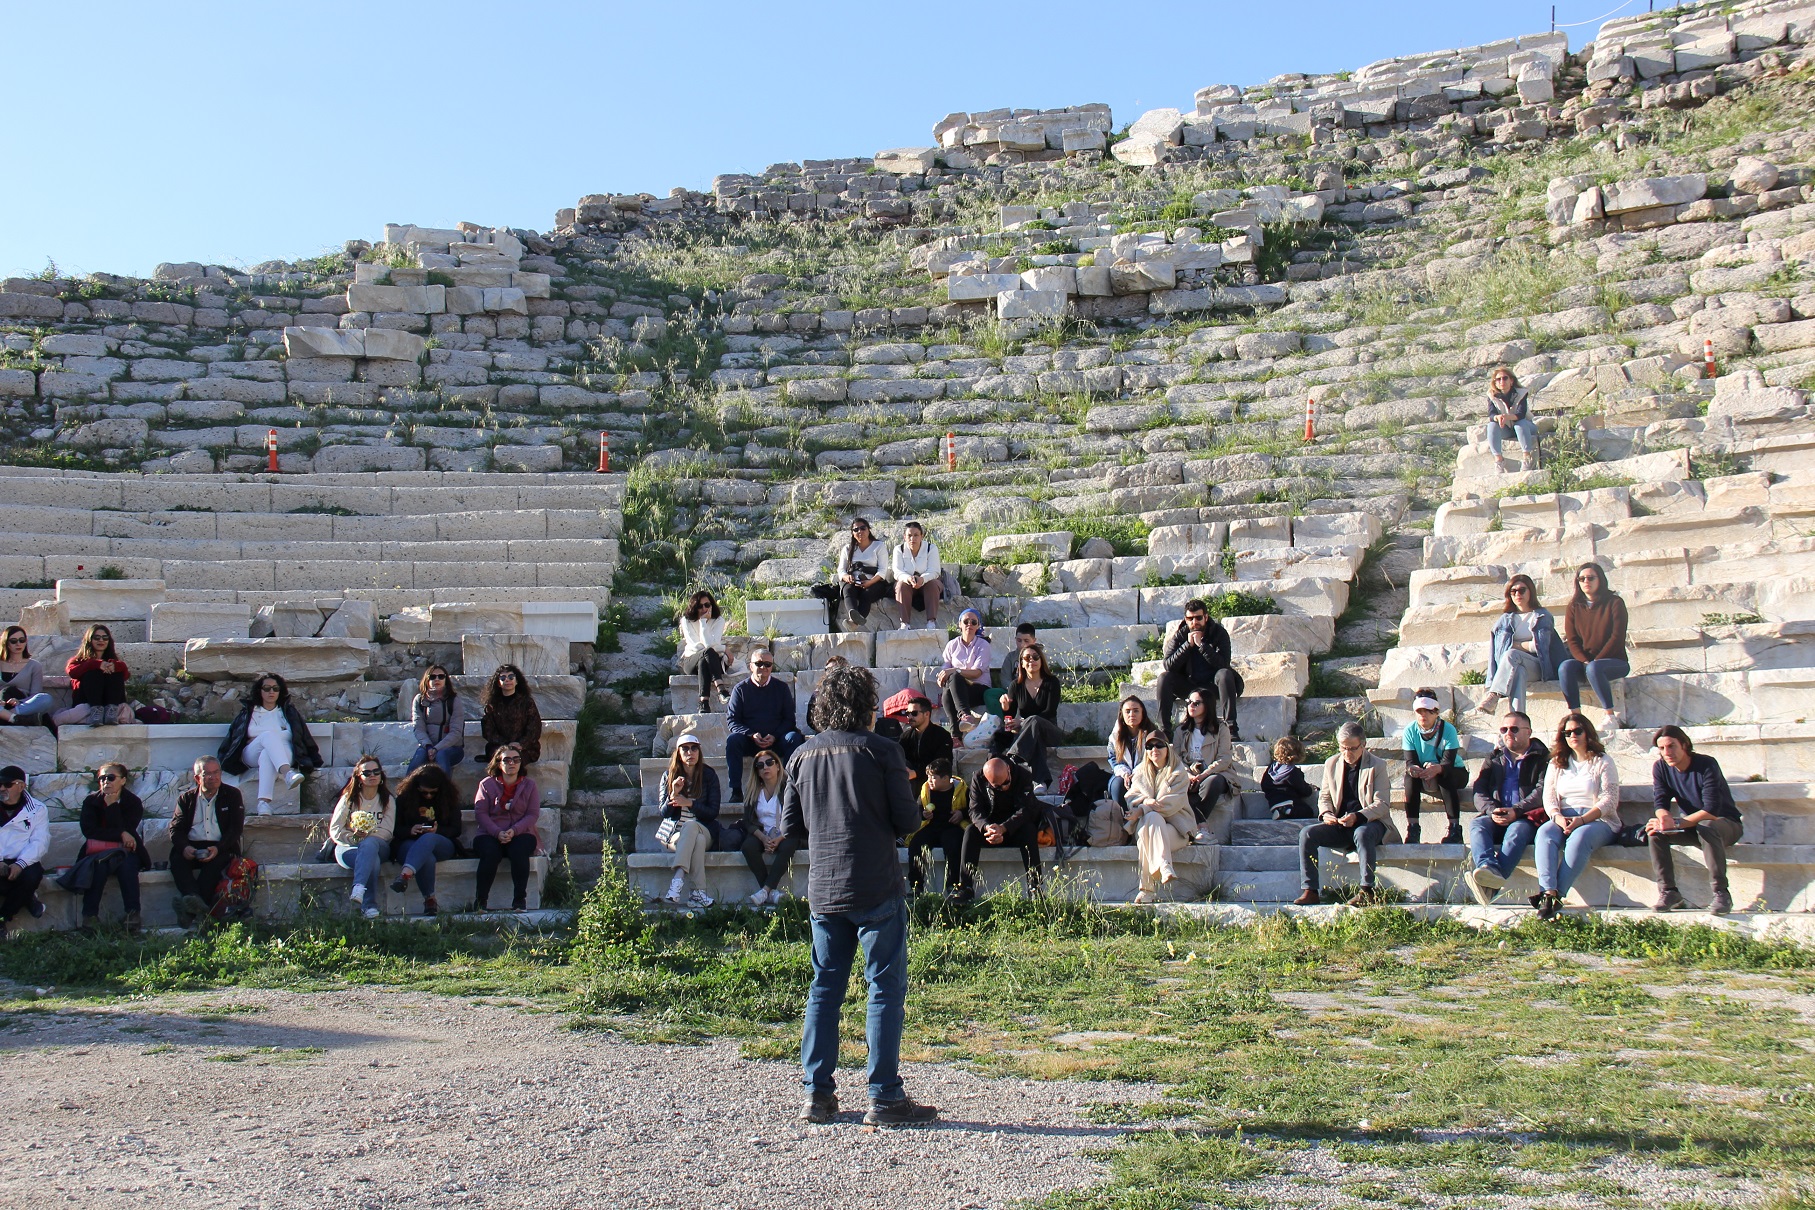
x=377, y=1099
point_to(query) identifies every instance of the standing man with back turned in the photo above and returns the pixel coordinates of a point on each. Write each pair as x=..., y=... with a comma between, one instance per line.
x=847, y=796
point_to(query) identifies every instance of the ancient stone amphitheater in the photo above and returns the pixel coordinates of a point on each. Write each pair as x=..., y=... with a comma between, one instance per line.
x=1081, y=350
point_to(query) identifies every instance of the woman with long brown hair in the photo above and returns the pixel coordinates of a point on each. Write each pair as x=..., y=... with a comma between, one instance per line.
x=438, y=714
x=22, y=696
x=362, y=827
x=689, y=827
x=511, y=716
x=1582, y=798
x=1595, y=628
x=1524, y=647
x=1032, y=719
x=97, y=682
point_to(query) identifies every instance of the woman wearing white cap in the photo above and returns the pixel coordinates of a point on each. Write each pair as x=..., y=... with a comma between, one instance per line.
x=689, y=827
x=1433, y=765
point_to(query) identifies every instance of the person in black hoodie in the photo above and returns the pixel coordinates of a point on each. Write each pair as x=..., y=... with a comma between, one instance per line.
x=1509, y=806
x=110, y=832
x=1004, y=813
x=923, y=741
x=1197, y=655
x=428, y=830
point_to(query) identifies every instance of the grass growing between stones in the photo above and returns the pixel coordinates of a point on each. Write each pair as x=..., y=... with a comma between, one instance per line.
x=1375, y=1052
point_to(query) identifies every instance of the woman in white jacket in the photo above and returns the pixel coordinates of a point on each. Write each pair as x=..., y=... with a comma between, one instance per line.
x=703, y=644
x=916, y=569
x=1159, y=813
x=1582, y=798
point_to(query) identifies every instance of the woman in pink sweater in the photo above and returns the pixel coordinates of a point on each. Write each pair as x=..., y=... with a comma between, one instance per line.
x=506, y=808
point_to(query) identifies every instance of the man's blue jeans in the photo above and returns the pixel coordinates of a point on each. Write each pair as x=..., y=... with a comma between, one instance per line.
x=883, y=932
x=1498, y=847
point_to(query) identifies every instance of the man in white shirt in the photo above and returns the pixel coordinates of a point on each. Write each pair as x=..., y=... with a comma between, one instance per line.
x=24, y=840
x=205, y=831
x=917, y=577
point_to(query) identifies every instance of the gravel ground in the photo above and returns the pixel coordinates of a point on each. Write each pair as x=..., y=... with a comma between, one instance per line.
x=369, y=1098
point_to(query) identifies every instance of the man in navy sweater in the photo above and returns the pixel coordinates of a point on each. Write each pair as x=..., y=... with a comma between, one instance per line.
x=1696, y=786
x=760, y=715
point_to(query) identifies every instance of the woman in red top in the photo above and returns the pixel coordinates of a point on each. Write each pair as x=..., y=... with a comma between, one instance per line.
x=97, y=682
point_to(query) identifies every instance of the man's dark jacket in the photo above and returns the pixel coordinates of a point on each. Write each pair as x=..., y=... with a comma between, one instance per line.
x=847, y=799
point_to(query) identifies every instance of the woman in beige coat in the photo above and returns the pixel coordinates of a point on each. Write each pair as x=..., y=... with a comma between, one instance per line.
x=1159, y=813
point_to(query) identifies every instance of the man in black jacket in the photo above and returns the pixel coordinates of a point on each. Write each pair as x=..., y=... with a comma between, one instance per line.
x=1196, y=656
x=1004, y=813
x=205, y=832
x=1508, y=789
x=922, y=741
x=847, y=798
x=1710, y=818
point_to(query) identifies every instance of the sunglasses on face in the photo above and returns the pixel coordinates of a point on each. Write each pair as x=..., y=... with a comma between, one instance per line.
x=1196, y=703
x=507, y=676
x=437, y=678
x=107, y=777
x=267, y=688
x=690, y=747
x=17, y=638
x=370, y=772
x=1575, y=731
x=510, y=760
x=768, y=764
x=1511, y=730
x=970, y=622
x=912, y=711
x=762, y=664
x=1157, y=747
x=1521, y=591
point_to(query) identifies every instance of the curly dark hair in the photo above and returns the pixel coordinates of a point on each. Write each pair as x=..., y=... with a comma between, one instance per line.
x=844, y=700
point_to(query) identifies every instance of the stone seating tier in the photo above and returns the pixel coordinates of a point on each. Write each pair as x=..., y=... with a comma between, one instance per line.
x=377, y=493
x=286, y=889
x=451, y=525
x=586, y=579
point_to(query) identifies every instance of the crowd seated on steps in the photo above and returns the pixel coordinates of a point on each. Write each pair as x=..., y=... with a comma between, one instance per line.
x=269, y=745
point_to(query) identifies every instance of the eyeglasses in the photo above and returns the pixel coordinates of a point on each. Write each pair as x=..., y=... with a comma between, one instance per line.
x=1196, y=617
x=690, y=747
x=911, y=711
x=436, y=679
x=1511, y=730
x=507, y=676
x=1030, y=658
x=510, y=760
x=762, y=664
x=370, y=772
x=1520, y=590
x=860, y=529
x=267, y=688
x=107, y=777
x=768, y=764
x=17, y=638
x=1157, y=747
x=1196, y=703
x=971, y=622
x=1575, y=731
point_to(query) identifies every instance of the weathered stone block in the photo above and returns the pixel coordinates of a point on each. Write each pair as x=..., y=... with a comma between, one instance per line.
x=294, y=659
x=180, y=621
x=533, y=654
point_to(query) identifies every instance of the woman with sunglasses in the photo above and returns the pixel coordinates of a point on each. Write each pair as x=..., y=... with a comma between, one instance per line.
x=1159, y=814
x=763, y=840
x=964, y=671
x=1207, y=751
x=362, y=827
x=111, y=844
x=269, y=734
x=428, y=830
x=22, y=697
x=439, y=716
x=511, y=716
x=1031, y=722
x=916, y=570
x=97, y=683
x=690, y=797
x=1523, y=649
x=702, y=627
x=1595, y=631
x=505, y=808
x=863, y=567
x=1582, y=799
x=1506, y=413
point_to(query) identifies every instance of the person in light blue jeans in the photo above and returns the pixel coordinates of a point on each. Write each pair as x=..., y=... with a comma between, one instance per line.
x=1507, y=412
x=361, y=844
x=1582, y=799
x=22, y=696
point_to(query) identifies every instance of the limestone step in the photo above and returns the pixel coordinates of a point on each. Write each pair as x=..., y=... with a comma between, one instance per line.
x=136, y=551
x=382, y=493
x=1694, y=649
x=1780, y=752
x=1763, y=876
x=285, y=890
x=472, y=525
x=1107, y=875
x=328, y=576
x=1696, y=699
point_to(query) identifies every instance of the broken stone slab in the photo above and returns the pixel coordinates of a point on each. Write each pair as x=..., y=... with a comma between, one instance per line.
x=1051, y=546
x=980, y=287
x=1031, y=304
x=324, y=342
x=351, y=620
x=571, y=621
x=391, y=344
x=907, y=161
x=799, y=617
x=180, y=621
x=294, y=659
x=33, y=749
x=1623, y=196
x=533, y=654
x=83, y=601
x=412, y=300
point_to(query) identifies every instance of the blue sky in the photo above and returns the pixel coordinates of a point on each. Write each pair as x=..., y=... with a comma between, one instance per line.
x=239, y=132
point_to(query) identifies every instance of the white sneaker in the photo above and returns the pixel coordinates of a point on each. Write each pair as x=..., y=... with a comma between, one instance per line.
x=761, y=898
x=674, y=889
x=293, y=779
x=904, y=626
x=1611, y=721
x=359, y=893
x=264, y=807
x=371, y=913
x=699, y=899
x=932, y=625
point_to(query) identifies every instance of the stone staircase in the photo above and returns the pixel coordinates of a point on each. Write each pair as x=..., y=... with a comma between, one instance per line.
x=332, y=613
